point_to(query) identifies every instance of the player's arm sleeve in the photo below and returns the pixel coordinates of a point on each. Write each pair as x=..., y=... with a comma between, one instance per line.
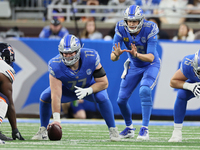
x=51, y=70
x=117, y=37
x=97, y=60
x=152, y=45
x=152, y=39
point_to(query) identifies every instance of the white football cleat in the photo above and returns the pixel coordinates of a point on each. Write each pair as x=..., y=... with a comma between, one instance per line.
x=143, y=134
x=2, y=142
x=176, y=136
x=127, y=133
x=114, y=134
x=41, y=134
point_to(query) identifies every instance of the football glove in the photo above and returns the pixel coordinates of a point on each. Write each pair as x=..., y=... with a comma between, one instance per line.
x=194, y=87
x=16, y=134
x=83, y=92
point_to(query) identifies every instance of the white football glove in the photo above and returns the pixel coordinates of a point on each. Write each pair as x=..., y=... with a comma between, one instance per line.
x=194, y=87
x=83, y=92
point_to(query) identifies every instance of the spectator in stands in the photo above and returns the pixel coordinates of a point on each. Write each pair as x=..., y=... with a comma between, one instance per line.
x=110, y=34
x=117, y=12
x=89, y=3
x=162, y=34
x=193, y=4
x=184, y=33
x=148, y=3
x=90, y=31
x=74, y=109
x=54, y=31
x=170, y=9
x=197, y=35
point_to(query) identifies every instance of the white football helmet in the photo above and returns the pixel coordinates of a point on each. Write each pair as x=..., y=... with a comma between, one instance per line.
x=196, y=63
x=133, y=13
x=69, y=44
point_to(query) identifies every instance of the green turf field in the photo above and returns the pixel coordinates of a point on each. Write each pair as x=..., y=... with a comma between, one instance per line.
x=96, y=137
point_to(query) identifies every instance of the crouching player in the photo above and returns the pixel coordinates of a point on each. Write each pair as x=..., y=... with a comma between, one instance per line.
x=7, y=57
x=75, y=73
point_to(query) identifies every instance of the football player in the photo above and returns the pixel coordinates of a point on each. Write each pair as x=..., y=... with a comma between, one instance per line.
x=187, y=80
x=7, y=57
x=142, y=66
x=75, y=73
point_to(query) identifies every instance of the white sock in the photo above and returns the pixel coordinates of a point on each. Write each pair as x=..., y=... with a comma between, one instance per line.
x=131, y=126
x=3, y=109
x=178, y=126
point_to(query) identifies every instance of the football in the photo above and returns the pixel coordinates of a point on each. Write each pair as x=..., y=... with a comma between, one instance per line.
x=54, y=132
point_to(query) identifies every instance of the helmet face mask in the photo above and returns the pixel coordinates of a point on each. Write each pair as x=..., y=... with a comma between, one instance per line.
x=7, y=53
x=196, y=64
x=69, y=44
x=133, y=13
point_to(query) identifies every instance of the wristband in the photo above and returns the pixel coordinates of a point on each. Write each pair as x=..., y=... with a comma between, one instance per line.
x=136, y=55
x=188, y=86
x=90, y=90
x=56, y=117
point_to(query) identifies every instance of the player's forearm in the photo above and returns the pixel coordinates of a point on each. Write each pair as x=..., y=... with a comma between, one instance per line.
x=101, y=84
x=145, y=57
x=178, y=84
x=56, y=103
x=12, y=116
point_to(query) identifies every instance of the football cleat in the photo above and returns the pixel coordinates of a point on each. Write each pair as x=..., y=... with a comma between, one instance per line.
x=176, y=136
x=2, y=142
x=41, y=134
x=143, y=134
x=5, y=138
x=127, y=133
x=114, y=134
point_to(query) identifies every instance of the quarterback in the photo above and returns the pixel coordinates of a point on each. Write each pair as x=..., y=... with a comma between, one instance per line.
x=142, y=66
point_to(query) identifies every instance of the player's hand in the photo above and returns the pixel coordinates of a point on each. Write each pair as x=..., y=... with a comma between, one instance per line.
x=83, y=92
x=16, y=135
x=118, y=50
x=55, y=122
x=196, y=90
x=194, y=87
x=133, y=50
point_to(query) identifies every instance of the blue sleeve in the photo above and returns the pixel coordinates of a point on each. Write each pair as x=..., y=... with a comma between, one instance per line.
x=117, y=37
x=152, y=44
x=51, y=70
x=97, y=59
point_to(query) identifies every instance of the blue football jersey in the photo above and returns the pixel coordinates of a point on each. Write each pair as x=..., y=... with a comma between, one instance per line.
x=83, y=77
x=47, y=33
x=145, y=41
x=187, y=69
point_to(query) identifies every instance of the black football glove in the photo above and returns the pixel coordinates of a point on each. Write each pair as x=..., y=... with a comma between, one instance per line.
x=16, y=134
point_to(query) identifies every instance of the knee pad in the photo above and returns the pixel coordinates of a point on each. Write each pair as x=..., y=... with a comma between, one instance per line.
x=121, y=101
x=145, y=95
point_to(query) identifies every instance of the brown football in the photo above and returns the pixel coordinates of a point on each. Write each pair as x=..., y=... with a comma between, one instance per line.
x=54, y=132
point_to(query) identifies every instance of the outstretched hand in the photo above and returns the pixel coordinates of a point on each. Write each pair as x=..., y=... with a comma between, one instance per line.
x=133, y=50
x=118, y=50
